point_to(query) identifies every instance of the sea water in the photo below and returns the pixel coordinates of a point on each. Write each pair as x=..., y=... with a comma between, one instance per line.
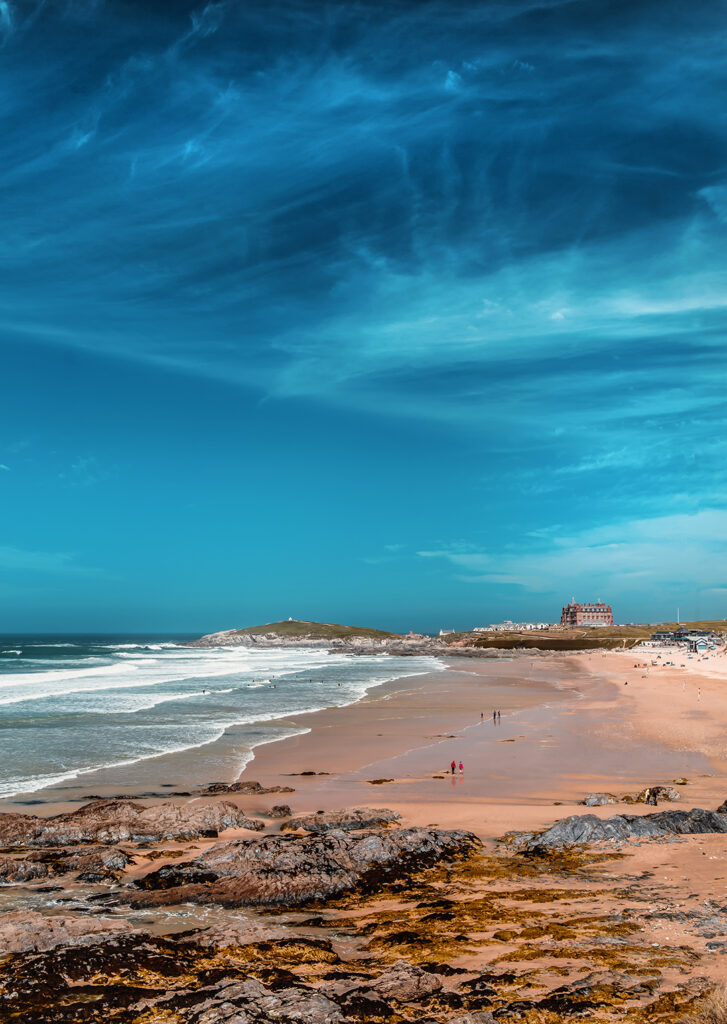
x=74, y=705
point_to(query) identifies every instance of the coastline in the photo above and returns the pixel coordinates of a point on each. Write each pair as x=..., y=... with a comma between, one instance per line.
x=568, y=727
x=179, y=770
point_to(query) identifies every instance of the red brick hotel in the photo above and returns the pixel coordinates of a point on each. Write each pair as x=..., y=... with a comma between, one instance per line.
x=598, y=614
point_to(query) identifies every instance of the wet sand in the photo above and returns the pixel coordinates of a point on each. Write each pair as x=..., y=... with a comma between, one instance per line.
x=566, y=730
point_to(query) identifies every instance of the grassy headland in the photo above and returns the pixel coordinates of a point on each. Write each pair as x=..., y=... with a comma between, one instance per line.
x=313, y=630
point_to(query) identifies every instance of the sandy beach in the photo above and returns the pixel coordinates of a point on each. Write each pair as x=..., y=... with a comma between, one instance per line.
x=570, y=725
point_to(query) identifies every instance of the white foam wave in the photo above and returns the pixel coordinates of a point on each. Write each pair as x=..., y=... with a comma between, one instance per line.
x=14, y=679
x=191, y=731
x=11, y=652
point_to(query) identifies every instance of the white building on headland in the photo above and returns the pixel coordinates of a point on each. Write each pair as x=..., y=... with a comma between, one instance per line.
x=447, y=632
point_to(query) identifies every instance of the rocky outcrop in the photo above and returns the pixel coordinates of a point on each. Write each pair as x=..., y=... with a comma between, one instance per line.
x=115, y=821
x=587, y=828
x=599, y=799
x=406, y=983
x=245, y=788
x=662, y=793
x=290, y=870
x=92, y=865
x=279, y=811
x=24, y=930
x=246, y=1002
x=344, y=821
x=666, y=793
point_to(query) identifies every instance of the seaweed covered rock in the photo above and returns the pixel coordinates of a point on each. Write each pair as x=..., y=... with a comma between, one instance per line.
x=114, y=821
x=344, y=820
x=587, y=828
x=290, y=870
x=136, y=976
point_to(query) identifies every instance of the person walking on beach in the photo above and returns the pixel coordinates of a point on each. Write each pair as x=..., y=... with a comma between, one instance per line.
x=453, y=766
x=461, y=767
x=494, y=716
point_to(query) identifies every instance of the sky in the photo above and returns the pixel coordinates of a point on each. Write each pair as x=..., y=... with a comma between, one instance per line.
x=408, y=315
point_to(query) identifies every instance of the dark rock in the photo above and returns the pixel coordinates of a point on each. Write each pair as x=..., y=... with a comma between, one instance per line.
x=446, y=970
x=479, y=986
x=246, y=788
x=345, y=820
x=290, y=870
x=587, y=828
x=364, y=1004
x=279, y=811
x=113, y=821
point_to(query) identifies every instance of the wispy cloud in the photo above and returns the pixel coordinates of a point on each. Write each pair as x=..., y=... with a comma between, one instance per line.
x=649, y=558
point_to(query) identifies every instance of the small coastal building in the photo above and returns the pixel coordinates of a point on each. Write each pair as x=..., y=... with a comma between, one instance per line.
x=511, y=627
x=592, y=614
x=694, y=639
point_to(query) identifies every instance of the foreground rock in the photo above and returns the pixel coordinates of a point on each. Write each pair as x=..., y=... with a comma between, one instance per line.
x=91, y=865
x=25, y=930
x=289, y=870
x=344, y=821
x=587, y=828
x=137, y=977
x=115, y=821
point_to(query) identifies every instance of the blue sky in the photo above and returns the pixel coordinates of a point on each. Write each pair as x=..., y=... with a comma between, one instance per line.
x=403, y=314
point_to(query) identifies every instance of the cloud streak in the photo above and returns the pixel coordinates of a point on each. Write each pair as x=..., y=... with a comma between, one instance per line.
x=665, y=554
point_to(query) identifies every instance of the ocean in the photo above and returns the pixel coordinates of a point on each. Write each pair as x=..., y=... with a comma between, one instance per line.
x=78, y=704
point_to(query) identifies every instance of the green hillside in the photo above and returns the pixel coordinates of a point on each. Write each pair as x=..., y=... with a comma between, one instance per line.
x=314, y=630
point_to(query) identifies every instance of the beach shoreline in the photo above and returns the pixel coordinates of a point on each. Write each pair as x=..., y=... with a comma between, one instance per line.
x=568, y=726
